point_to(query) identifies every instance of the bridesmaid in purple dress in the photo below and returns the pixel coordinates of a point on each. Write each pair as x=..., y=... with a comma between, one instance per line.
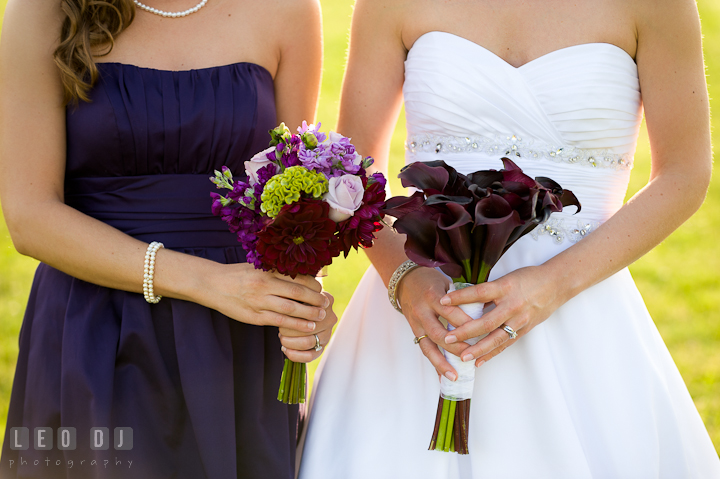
x=113, y=116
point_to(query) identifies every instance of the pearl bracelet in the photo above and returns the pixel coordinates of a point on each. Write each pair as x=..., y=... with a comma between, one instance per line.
x=150, y=273
x=399, y=274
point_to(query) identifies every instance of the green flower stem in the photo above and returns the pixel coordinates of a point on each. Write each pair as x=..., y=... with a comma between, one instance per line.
x=484, y=273
x=440, y=445
x=450, y=423
x=303, y=388
x=456, y=445
x=293, y=384
x=467, y=270
x=288, y=383
x=283, y=382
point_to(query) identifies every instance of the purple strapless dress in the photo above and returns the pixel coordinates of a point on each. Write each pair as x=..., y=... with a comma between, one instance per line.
x=198, y=389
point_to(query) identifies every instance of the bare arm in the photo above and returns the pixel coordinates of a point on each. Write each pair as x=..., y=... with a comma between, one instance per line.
x=672, y=79
x=297, y=82
x=32, y=164
x=369, y=107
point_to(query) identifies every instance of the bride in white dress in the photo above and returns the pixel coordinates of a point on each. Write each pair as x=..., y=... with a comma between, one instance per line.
x=588, y=390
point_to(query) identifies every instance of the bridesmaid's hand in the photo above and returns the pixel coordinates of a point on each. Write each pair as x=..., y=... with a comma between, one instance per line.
x=258, y=297
x=523, y=299
x=419, y=294
x=300, y=347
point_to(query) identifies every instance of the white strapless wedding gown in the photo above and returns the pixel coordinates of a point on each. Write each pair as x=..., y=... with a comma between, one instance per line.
x=590, y=393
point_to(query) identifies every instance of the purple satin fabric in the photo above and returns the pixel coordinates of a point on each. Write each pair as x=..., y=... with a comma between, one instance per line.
x=198, y=388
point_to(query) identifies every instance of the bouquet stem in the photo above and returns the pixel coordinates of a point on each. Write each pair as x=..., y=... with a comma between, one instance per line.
x=293, y=385
x=451, y=426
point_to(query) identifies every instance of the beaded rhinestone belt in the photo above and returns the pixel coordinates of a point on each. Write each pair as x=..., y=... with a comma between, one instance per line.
x=514, y=146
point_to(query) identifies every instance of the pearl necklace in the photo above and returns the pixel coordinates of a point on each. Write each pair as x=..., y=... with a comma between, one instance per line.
x=171, y=14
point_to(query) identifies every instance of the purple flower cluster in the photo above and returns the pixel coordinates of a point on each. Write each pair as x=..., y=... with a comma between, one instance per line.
x=351, y=201
x=331, y=155
x=240, y=209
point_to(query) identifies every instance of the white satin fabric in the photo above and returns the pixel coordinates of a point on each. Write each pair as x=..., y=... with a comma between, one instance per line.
x=592, y=392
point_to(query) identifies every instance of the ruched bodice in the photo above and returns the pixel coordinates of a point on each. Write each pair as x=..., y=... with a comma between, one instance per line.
x=577, y=110
x=143, y=121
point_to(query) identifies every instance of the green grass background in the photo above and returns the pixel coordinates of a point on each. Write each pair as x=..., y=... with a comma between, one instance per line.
x=680, y=279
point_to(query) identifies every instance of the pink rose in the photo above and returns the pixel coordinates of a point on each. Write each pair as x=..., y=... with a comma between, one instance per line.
x=345, y=194
x=255, y=163
x=333, y=138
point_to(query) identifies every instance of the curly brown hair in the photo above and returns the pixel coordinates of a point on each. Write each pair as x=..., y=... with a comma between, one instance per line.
x=89, y=30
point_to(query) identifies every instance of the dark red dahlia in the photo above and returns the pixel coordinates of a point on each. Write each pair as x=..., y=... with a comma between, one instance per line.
x=358, y=229
x=301, y=239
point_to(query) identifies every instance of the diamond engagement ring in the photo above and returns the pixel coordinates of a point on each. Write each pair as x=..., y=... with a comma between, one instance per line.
x=511, y=332
x=417, y=340
x=318, y=346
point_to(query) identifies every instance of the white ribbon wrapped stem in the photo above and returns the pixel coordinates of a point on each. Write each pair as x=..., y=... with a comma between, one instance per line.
x=462, y=388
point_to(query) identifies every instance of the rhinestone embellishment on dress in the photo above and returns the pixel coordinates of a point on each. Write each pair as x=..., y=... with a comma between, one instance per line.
x=561, y=229
x=514, y=146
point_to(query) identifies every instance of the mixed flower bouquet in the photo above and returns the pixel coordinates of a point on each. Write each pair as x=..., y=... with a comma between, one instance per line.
x=463, y=225
x=306, y=199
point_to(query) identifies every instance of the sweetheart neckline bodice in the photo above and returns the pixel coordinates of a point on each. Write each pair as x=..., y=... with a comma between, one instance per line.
x=542, y=57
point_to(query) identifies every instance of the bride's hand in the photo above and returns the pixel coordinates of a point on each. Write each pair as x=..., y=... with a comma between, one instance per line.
x=300, y=347
x=523, y=299
x=419, y=295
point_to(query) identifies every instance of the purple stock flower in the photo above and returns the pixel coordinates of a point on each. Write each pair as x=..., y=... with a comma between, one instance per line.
x=313, y=129
x=318, y=159
x=265, y=173
x=380, y=178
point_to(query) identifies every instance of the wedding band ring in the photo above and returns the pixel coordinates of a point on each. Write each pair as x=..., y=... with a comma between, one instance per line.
x=511, y=332
x=417, y=340
x=318, y=346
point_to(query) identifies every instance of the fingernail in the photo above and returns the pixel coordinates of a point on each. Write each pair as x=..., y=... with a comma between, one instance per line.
x=311, y=326
x=327, y=303
x=467, y=357
x=322, y=314
x=445, y=300
x=450, y=339
x=451, y=375
x=283, y=349
x=479, y=364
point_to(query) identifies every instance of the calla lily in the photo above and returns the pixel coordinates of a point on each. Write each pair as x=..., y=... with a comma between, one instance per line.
x=464, y=224
x=399, y=206
x=433, y=178
x=424, y=176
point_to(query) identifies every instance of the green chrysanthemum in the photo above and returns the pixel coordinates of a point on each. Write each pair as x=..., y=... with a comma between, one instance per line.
x=287, y=187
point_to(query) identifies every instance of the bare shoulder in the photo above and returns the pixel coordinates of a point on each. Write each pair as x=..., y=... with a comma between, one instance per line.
x=666, y=18
x=387, y=8
x=37, y=21
x=386, y=17
x=296, y=7
x=30, y=35
x=281, y=15
x=294, y=21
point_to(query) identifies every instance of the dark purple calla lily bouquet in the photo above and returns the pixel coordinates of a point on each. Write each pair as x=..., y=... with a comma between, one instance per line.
x=463, y=225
